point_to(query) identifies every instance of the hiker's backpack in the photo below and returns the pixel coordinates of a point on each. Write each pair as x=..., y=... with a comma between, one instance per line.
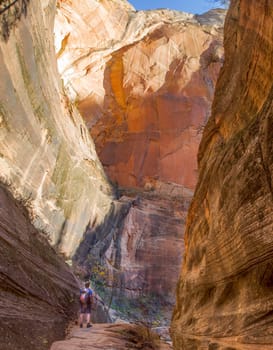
x=85, y=296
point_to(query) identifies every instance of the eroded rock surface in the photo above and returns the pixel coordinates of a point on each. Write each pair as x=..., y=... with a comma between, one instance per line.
x=47, y=156
x=225, y=288
x=49, y=164
x=142, y=250
x=144, y=82
x=149, y=247
x=37, y=290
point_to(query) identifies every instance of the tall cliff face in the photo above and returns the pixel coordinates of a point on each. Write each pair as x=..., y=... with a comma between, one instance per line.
x=49, y=165
x=144, y=82
x=47, y=158
x=225, y=290
x=141, y=247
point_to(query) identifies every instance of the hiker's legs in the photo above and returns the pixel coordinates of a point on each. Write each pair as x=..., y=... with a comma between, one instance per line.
x=82, y=313
x=88, y=316
x=81, y=318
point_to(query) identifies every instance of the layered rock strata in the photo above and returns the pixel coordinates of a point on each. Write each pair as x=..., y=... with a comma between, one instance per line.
x=47, y=157
x=37, y=290
x=49, y=164
x=225, y=288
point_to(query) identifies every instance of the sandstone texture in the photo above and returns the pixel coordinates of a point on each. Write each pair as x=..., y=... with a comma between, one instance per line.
x=225, y=290
x=149, y=247
x=141, y=244
x=49, y=166
x=144, y=83
x=37, y=290
x=47, y=157
x=48, y=160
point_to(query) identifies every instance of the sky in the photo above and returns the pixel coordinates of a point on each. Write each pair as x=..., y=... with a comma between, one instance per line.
x=192, y=6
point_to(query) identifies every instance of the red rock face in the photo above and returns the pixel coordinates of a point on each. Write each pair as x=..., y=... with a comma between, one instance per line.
x=149, y=247
x=144, y=82
x=160, y=96
x=225, y=290
x=146, y=94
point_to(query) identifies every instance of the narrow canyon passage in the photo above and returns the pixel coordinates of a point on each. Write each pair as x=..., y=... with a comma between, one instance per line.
x=107, y=116
x=144, y=86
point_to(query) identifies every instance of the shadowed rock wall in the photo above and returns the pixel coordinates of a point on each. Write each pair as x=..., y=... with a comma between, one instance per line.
x=37, y=290
x=225, y=289
x=141, y=243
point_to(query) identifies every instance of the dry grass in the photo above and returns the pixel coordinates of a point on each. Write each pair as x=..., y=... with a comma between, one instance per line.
x=140, y=336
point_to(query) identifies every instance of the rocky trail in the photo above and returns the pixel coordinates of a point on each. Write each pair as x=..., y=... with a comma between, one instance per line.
x=105, y=336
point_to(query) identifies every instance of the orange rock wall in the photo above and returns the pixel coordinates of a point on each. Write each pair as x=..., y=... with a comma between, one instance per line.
x=144, y=82
x=158, y=97
x=224, y=296
x=145, y=89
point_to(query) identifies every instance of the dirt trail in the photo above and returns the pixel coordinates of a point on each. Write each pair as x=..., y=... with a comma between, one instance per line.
x=100, y=336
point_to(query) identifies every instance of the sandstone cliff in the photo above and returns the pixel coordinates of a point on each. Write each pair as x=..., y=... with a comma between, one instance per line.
x=144, y=82
x=37, y=290
x=47, y=158
x=48, y=163
x=225, y=290
x=141, y=246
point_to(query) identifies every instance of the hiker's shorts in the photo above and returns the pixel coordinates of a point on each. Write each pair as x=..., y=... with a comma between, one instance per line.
x=85, y=309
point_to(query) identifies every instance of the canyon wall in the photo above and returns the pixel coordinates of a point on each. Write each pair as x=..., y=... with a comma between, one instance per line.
x=224, y=296
x=37, y=289
x=49, y=167
x=47, y=158
x=139, y=249
x=144, y=82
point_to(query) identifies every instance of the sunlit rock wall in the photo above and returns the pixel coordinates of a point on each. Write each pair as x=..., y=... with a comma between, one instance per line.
x=225, y=290
x=144, y=82
x=47, y=157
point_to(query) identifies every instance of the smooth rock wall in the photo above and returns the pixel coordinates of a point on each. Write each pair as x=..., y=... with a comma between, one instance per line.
x=47, y=158
x=144, y=82
x=141, y=243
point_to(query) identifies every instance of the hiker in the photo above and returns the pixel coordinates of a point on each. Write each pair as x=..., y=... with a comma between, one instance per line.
x=86, y=299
